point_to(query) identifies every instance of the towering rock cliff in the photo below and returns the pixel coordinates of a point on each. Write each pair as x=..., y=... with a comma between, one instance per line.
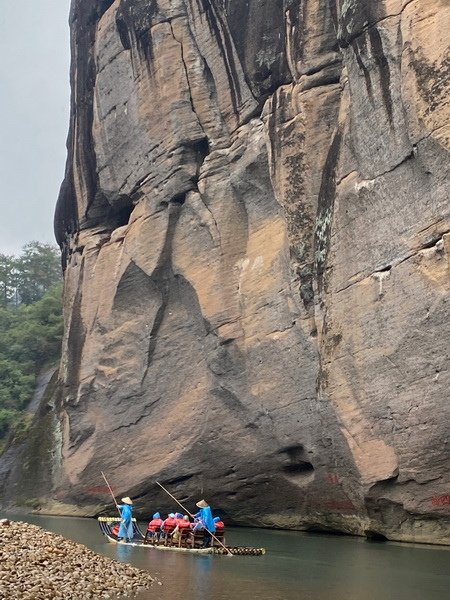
x=255, y=229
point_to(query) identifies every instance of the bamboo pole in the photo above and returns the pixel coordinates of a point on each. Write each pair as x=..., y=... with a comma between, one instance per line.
x=113, y=497
x=191, y=515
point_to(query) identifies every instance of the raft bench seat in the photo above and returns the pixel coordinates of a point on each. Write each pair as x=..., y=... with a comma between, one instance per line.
x=220, y=535
x=185, y=539
x=166, y=536
x=197, y=538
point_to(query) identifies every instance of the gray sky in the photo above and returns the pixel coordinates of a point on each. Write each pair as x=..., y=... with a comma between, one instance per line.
x=34, y=117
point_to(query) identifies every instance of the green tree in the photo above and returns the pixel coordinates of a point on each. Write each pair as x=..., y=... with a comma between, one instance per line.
x=31, y=327
x=7, y=417
x=38, y=269
x=37, y=332
x=16, y=385
x=7, y=279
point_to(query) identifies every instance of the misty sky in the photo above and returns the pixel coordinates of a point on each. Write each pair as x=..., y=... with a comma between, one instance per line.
x=34, y=117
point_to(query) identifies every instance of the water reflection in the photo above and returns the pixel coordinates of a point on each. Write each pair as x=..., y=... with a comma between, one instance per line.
x=124, y=553
x=202, y=577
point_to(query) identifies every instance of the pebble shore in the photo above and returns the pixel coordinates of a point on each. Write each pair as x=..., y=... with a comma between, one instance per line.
x=38, y=565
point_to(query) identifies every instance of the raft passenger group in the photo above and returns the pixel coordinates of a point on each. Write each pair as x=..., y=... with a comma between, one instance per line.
x=174, y=526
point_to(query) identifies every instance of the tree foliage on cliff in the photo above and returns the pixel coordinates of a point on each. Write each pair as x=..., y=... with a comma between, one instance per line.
x=26, y=278
x=31, y=325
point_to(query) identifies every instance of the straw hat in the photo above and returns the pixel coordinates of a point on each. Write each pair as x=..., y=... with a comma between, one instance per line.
x=127, y=500
x=202, y=504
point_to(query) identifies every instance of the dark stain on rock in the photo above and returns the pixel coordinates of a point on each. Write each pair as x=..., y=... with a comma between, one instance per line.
x=384, y=71
x=122, y=30
x=356, y=17
x=76, y=340
x=432, y=80
x=218, y=28
x=334, y=12
x=298, y=212
x=325, y=207
x=66, y=221
x=134, y=20
x=258, y=31
x=137, y=15
x=359, y=48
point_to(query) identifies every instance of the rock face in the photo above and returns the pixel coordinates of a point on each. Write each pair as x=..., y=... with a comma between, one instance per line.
x=255, y=229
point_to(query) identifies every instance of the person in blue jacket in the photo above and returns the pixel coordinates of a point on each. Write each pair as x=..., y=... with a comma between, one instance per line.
x=205, y=517
x=126, y=523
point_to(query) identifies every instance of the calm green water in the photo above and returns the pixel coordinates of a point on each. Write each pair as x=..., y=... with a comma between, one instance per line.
x=297, y=566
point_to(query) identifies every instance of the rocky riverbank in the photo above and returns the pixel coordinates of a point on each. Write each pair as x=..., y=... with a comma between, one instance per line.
x=38, y=565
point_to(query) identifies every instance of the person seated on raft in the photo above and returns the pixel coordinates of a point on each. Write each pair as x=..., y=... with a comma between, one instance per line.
x=126, y=524
x=205, y=517
x=198, y=532
x=178, y=518
x=168, y=526
x=154, y=527
x=183, y=525
x=220, y=529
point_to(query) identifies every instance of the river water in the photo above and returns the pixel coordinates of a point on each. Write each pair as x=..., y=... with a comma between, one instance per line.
x=297, y=566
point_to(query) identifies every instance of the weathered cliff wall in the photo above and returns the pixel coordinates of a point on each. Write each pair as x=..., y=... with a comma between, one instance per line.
x=255, y=227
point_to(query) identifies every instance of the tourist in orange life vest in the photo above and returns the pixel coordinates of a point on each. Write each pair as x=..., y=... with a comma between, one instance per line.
x=178, y=519
x=154, y=526
x=220, y=525
x=183, y=525
x=168, y=525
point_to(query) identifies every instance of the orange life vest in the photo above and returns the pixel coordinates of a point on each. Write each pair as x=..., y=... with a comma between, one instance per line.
x=169, y=524
x=154, y=524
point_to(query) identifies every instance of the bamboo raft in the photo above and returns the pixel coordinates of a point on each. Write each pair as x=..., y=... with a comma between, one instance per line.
x=107, y=524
